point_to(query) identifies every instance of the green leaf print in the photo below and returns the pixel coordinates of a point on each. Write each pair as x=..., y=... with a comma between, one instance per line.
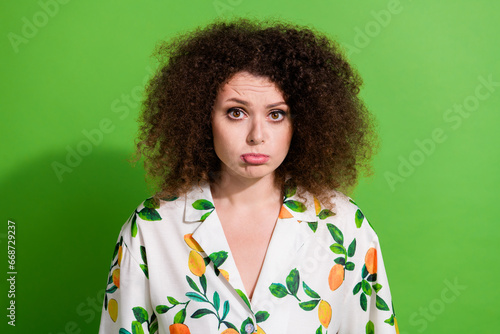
x=295, y=205
x=195, y=296
x=230, y=325
x=352, y=248
x=356, y=289
x=140, y=314
x=359, y=218
x=137, y=328
x=203, y=204
x=201, y=312
x=124, y=331
x=340, y=260
x=366, y=287
x=153, y=328
x=381, y=305
x=278, y=290
x=336, y=233
x=372, y=278
x=149, y=214
x=292, y=282
x=261, y=316
x=370, y=328
x=309, y=305
x=205, y=215
x=364, y=271
x=244, y=297
x=180, y=317
x=225, y=311
x=144, y=268
x=349, y=266
x=112, y=289
x=134, y=226
x=325, y=213
x=313, y=226
x=173, y=301
x=363, y=301
x=143, y=255
x=161, y=309
x=319, y=330
x=203, y=283
x=337, y=249
x=115, y=252
x=216, y=301
x=310, y=292
x=377, y=287
x=218, y=258
x=192, y=284
x=150, y=203
x=390, y=321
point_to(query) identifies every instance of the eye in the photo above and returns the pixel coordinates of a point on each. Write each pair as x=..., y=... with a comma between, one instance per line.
x=235, y=113
x=277, y=115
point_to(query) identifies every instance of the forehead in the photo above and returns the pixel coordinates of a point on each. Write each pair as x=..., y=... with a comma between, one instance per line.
x=245, y=83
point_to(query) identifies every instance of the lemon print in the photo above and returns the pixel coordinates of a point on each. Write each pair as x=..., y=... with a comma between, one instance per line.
x=196, y=263
x=113, y=309
x=193, y=244
x=230, y=331
x=336, y=276
x=120, y=253
x=116, y=277
x=324, y=313
x=179, y=329
x=225, y=274
x=317, y=206
x=260, y=330
x=371, y=261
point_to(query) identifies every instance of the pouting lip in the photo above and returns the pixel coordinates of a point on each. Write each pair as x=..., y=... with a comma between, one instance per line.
x=254, y=155
x=254, y=158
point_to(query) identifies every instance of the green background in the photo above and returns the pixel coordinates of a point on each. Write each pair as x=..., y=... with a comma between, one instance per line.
x=72, y=68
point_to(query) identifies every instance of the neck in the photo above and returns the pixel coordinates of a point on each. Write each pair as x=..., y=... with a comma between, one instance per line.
x=246, y=192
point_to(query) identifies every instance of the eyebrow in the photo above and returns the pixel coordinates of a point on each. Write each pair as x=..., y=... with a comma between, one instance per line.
x=272, y=105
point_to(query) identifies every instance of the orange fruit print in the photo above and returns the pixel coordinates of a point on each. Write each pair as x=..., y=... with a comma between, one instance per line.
x=196, y=263
x=371, y=261
x=179, y=329
x=336, y=276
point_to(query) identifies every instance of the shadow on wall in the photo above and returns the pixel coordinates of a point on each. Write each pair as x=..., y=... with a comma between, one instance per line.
x=65, y=235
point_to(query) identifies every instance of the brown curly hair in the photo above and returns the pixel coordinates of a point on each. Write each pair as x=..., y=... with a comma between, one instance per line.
x=333, y=138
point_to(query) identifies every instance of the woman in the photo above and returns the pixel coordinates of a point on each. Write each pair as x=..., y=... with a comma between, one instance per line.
x=247, y=129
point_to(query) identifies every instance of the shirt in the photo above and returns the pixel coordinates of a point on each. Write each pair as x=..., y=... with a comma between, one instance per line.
x=172, y=272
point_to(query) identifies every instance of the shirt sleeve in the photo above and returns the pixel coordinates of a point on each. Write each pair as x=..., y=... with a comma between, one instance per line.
x=368, y=299
x=127, y=305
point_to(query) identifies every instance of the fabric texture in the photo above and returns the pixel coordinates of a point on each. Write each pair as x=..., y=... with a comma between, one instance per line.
x=172, y=272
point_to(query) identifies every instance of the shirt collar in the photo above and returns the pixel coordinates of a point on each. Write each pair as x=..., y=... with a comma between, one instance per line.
x=200, y=204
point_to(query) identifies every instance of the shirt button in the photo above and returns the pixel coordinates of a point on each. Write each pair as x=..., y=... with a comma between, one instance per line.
x=249, y=328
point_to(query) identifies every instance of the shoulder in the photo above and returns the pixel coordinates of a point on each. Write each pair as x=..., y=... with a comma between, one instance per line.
x=340, y=217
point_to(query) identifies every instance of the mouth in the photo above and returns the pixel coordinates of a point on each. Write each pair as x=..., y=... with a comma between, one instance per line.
x=254, y=158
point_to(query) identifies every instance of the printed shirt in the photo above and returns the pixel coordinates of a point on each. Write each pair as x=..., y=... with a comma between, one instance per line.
x=172, y=272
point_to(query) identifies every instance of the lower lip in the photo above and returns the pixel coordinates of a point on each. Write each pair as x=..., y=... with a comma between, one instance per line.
x=255, y=159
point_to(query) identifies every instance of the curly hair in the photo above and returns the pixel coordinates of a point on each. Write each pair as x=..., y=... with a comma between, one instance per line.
x=333, y=137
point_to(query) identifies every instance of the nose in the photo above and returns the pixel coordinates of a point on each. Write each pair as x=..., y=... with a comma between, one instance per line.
x=256, y=132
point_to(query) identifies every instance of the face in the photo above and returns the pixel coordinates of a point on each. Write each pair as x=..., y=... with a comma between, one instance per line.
x=251, y=125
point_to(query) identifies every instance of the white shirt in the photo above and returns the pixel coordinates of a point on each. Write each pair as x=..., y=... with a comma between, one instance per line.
x=173, y=272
